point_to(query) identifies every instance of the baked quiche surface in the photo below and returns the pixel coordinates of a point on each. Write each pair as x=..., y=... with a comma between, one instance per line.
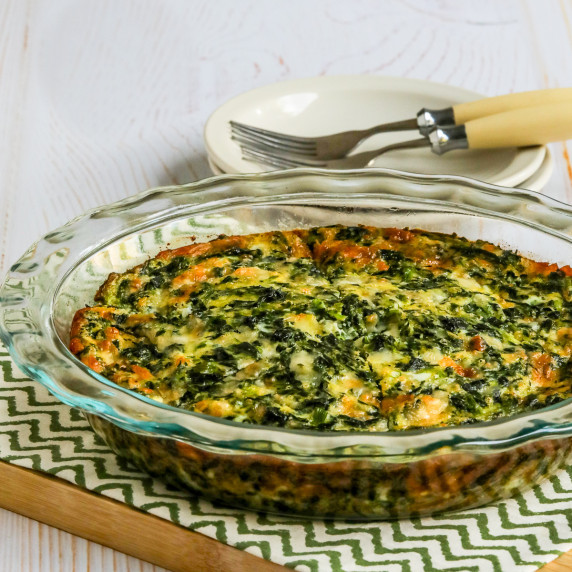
x=336, y=328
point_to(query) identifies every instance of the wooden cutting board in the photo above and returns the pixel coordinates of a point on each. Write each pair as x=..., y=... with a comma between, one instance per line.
x=97, y=518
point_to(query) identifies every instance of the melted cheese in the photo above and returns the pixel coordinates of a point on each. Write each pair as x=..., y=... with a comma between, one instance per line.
x=336, y=328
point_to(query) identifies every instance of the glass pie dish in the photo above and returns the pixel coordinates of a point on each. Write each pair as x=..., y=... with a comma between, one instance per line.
x=357, y=475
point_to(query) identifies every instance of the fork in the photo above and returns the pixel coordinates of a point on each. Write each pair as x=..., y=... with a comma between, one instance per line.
x=289, y=161
x=517, y=128
x=339, y=145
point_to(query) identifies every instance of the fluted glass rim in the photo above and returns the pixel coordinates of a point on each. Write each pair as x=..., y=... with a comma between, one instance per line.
x=27, y=329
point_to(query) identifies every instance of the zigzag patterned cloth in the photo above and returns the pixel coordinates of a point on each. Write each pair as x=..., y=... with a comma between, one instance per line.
x=520, y=534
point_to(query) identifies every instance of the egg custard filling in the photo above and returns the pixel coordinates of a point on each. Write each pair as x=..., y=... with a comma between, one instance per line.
x=336, y=328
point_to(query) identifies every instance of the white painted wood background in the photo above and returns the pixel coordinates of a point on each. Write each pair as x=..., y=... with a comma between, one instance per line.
x=100, y=99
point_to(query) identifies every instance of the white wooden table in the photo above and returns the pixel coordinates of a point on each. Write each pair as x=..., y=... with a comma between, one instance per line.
x=100, y=99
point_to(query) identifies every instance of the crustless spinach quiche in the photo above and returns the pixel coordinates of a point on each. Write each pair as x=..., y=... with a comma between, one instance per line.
x=336, y=328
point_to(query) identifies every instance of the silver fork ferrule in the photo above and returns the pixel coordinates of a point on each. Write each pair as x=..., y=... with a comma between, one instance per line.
x=444, y=139
x=428, y=119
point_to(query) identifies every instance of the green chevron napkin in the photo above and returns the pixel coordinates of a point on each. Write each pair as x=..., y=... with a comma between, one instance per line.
x=520, y=534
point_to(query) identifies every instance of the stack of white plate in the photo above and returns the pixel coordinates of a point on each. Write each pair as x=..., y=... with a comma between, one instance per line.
x=328, y=104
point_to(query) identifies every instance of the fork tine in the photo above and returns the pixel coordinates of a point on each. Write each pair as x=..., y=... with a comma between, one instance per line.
x=261, y=144
x=266, y=160
x=286, y=161
x=273, y=135
x=262, y=139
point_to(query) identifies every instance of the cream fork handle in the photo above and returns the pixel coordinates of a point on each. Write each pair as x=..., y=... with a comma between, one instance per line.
x=465, y=112
x=428, y=119
x=536, y=125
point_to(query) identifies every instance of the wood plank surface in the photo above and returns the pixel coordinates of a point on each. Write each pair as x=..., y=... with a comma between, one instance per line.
x=104, y=98
x=562, y=564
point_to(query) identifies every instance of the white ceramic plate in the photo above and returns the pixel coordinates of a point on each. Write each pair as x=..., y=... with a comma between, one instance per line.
x=326, y=104
x=214, y=168
x=537, y=181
